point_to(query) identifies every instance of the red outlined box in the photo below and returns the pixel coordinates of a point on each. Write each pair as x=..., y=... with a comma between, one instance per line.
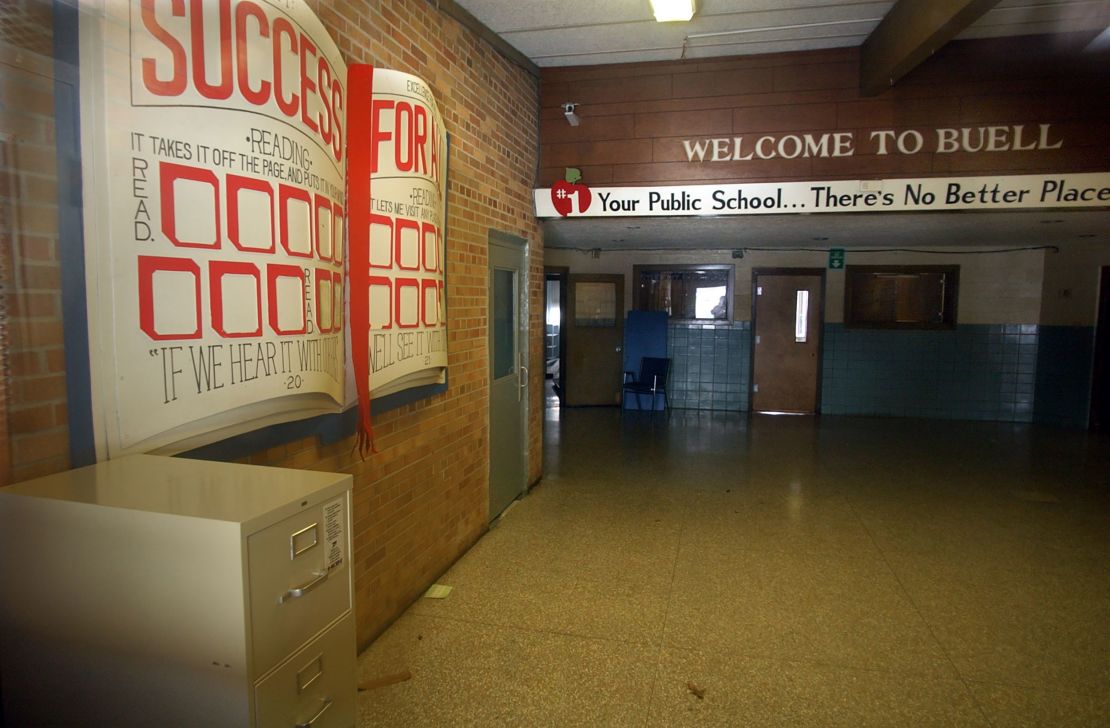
x=286, y=304
x=295, y=207
x=196, y=227
x=239, y=314
x=407, y=234
x=154, y=309
x=429, y=301
x=340, y=239
x=381, y=303
x=337, y=302
x=442, y=305
x=381, y=241
x=248, y=228
x=429, y=250
x=406, y=307
x=325, y=229
x=325, y=300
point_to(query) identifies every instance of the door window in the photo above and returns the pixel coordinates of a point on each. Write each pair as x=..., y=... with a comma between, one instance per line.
x=504, y=303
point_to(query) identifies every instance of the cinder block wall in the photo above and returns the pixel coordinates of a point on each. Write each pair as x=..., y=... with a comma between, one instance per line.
x=422, y=500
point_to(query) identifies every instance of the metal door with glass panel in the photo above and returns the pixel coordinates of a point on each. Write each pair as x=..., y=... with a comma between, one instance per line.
x=788, y=315
x=508, y=373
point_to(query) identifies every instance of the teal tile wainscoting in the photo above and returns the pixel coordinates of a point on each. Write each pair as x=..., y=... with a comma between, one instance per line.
x=999, y=372
x=976, y=372
x=710, y=365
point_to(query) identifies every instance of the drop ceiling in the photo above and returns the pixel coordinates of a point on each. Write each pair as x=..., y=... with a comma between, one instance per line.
x=597, y=32
x=587, y=32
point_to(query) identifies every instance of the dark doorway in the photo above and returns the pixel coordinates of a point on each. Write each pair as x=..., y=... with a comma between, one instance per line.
x=554, y=340
x=1100, y=380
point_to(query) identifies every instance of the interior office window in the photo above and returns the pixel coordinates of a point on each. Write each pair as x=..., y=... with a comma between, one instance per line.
x=901, y=297
x=686, y=292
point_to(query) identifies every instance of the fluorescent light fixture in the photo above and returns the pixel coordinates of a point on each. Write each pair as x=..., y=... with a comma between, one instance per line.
x=572, y=118
x=667, y=11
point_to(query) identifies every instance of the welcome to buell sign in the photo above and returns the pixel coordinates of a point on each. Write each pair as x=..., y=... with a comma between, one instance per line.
x=881, y=142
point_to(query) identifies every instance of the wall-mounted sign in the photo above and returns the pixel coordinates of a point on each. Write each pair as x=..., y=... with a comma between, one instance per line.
x=397, y=196
x=1016, y=192
x=214, y=152
x=836, y=258
x=880, y=142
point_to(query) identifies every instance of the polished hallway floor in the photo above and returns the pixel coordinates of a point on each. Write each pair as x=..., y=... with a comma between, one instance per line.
x=711, y=569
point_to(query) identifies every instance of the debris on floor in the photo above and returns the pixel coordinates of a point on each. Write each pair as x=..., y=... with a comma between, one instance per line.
x=438, y=591
x=385, y=680
x=697, y=692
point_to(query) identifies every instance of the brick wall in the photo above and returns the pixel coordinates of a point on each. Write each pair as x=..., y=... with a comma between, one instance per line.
x=422, y=500
x=636, y=116
x=35, y=431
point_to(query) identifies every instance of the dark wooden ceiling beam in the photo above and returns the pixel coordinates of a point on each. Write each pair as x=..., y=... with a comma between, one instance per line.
x=911, y=32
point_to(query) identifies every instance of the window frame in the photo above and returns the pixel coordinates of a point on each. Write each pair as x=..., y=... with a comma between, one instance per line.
x=949, y=320
x=730, y=287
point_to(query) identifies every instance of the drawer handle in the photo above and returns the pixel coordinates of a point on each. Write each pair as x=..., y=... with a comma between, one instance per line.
x=308, y=723
x=300, y=591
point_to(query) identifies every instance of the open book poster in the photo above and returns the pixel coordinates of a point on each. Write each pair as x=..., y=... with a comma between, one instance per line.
x=397, y=190
x=215, y=144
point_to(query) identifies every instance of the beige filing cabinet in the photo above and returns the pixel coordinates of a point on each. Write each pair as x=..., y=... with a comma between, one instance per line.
x=157, y=591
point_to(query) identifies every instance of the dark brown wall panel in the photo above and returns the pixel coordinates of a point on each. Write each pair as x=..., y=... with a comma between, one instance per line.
x=709, y=121
x=785, y=118
x=635, y=117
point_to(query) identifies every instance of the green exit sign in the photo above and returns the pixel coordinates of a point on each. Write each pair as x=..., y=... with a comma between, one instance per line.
x=836, y=258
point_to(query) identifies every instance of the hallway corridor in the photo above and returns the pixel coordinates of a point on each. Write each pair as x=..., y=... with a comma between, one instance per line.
x=711, y=569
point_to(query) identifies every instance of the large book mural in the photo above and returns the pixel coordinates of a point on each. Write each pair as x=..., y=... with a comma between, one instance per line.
x=215, y=145
x=398, y=191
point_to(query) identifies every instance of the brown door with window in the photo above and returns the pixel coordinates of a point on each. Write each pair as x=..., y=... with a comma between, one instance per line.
x=788, y=314
x=594, y=337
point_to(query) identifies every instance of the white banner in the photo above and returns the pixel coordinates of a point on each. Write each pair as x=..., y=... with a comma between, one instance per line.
x=1017, y=192
x=214, y=143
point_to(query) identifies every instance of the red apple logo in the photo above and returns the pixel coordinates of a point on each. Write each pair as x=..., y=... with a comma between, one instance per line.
x=565, y=191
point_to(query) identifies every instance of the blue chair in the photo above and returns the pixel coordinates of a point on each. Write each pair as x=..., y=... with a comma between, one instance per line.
x=652, y=381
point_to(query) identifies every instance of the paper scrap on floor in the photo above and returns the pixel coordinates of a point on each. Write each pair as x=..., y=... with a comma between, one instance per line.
x=438, y=591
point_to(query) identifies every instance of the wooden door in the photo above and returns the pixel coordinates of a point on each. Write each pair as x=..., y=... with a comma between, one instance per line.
x=595, y=335
x=788, y=314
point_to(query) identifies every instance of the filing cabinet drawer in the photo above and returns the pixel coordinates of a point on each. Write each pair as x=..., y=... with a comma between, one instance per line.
x=316, y=683
x=299, y=579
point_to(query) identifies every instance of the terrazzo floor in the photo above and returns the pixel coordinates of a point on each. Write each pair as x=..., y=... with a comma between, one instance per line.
x=713, y=569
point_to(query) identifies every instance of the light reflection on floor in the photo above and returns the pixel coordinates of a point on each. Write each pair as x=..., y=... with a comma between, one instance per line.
x=791, y=571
